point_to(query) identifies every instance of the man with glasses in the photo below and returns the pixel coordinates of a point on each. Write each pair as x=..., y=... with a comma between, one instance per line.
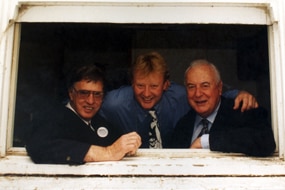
x=76, y=133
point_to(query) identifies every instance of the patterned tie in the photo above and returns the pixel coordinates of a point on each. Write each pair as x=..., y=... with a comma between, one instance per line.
x=91, y=127
x=154, y=133
x=205, y=129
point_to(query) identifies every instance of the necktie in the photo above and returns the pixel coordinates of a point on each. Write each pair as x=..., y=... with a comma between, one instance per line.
x=91, y=127
x=205, y=129
x=154, y=133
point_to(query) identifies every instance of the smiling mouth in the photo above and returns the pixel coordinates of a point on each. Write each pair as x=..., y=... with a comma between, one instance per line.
x=88, y=108
x=202, y=102
x=147, y=99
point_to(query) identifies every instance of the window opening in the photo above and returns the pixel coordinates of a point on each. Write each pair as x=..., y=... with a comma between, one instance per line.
x=49, y=50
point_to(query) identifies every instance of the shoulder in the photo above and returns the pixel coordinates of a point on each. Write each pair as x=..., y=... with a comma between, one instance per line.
x=176, y=87
x=187, y=119
x=120, y=93
x=176, y=90
x=53, y=112
x=118, y=96
x=227, y=103
x=227, y=108
x=259, y=113
x=99, y=121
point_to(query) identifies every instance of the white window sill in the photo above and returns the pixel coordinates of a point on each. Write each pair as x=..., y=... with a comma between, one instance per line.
x=161, y=168
x=166, y=162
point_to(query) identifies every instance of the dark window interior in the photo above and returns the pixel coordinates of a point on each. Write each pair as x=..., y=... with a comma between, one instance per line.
x=49, y=50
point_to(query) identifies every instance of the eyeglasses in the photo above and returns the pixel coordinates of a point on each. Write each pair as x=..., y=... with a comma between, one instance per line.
x=83, y=94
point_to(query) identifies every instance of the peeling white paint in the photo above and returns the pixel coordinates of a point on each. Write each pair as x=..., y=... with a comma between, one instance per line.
x=156, y=169
x=171, y=169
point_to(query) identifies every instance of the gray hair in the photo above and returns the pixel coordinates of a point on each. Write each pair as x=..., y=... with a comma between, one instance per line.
x=199, y=62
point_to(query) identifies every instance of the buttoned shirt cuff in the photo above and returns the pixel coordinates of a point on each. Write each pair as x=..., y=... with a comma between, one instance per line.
x=205, y=141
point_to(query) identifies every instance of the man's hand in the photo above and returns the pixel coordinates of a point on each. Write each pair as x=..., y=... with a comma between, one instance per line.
x=126, y=144
x=248, y=101
x=196, y=143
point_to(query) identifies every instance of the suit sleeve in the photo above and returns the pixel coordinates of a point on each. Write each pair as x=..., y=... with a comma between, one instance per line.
x=50, y=143
x=181, y=137
x=249, y=133
x=47, y=146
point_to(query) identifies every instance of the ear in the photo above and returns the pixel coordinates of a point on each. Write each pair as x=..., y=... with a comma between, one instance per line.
x=70, y=91
x=166, y=84
x=220, y=87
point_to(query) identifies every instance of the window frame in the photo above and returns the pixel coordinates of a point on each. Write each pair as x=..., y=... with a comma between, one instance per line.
x=256, y=12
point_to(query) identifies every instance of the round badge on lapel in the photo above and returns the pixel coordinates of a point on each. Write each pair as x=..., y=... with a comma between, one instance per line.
x=102, y=132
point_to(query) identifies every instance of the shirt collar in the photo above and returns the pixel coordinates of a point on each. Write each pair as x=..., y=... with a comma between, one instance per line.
x=212, y=116
x=144, y=111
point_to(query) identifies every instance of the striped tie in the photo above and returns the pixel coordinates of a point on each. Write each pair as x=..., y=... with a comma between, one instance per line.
x=205, y=129
x=154, y=133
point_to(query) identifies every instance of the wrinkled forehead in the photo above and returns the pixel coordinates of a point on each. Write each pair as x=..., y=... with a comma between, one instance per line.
x=201, y=73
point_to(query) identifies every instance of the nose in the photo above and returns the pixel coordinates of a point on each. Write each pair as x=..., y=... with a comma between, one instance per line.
x=90, y=99
x=146, y=91
x=198, y=92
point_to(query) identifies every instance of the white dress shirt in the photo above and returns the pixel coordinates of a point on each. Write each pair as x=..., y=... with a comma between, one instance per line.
x=198, y=127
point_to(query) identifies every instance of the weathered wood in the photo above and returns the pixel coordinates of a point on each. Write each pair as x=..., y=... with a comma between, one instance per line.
x=188, y=183
x=170, y=163
x=156, y=169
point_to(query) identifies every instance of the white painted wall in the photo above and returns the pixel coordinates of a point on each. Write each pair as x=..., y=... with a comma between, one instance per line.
x=163, y=168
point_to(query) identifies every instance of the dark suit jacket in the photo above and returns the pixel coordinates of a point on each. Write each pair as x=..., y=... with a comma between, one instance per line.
x=232, y=131
x=63, y=138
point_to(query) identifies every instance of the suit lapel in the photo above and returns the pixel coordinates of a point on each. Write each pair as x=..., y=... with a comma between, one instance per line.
x=225, y=113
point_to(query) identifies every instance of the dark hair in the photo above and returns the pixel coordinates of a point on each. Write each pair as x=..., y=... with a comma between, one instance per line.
x=91, y=72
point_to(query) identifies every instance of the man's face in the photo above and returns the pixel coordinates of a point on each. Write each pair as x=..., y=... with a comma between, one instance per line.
x=86, y=104
x=148, y=89
x=203, y=92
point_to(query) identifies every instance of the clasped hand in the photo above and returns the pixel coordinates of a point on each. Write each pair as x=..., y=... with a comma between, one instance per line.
x=127, y=144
